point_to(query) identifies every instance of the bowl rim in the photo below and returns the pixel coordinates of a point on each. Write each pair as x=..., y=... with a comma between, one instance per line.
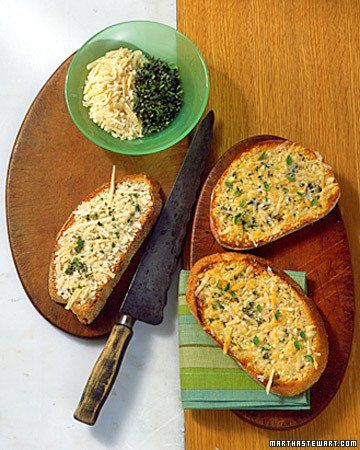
x=159, y=148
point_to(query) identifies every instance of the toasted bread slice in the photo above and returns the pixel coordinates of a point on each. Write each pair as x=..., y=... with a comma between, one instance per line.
x=271, y=189
x=261, y=318
x=97, y=242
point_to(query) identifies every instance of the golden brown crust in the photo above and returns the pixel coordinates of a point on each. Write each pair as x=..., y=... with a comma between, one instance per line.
x=88, y=311
x=280, y=388
x=248, y=245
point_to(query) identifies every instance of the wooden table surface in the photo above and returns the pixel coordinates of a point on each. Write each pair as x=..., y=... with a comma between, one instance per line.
x=288, y=68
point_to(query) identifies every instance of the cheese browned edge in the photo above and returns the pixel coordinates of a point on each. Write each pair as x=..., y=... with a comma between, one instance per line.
x=87, y=312
x=248, y=245
x=288, y=389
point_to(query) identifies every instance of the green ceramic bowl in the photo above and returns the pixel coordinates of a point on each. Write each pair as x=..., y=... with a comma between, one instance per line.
x=153, y=39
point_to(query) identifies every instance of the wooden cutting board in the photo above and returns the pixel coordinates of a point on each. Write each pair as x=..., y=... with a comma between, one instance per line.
x=321, y=250
x=52, y=168
x=289, y=69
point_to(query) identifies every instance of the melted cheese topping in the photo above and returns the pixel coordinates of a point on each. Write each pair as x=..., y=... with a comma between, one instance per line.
x=260, y=319
x=268, y=192
x=102, y=231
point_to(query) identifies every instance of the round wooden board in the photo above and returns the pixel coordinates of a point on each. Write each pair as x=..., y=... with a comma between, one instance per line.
x=321, y=250
x=52, y=168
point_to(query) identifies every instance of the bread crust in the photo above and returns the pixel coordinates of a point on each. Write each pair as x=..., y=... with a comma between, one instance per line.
x=87, y=312
x=248, y=245
x=285, y=389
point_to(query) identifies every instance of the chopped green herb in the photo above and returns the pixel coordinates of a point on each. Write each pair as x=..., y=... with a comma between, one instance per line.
x=158, y=94
x=288, y=160
x=211, y=319
x=237, y=192
x=113, y=244
x=256, y=340
x=79, y=244
x=266, y=186
x=265, y=348
x=259, y=308
x=226, y=287
x=277, y=315
x=242, y=204
x=228, y=184
x=218, y=304
x=300, y=194
x=314, y=201
x=310, y=358
x=237, y=218
x=75, y=265
x=233, y=293
x=263, y=156
x=291, y=178
x=303, y=335
x=296, y=344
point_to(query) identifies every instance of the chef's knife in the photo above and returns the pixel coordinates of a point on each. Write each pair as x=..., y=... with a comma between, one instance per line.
x=146, y=297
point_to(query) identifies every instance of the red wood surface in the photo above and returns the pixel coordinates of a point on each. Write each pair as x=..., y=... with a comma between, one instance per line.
x=322, y=251
x=52, y=168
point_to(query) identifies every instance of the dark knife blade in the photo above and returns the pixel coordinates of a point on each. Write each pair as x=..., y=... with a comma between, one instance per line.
x=146, y=297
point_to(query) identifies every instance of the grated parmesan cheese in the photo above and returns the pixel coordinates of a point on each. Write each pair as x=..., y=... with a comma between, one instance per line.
x=109, y=92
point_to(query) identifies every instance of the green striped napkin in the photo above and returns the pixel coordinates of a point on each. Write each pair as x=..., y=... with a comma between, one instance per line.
x=209, y=379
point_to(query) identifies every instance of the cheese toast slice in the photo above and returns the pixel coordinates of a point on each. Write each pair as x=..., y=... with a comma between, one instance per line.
x=97, y=242
x=261, y=318
x=271, y=189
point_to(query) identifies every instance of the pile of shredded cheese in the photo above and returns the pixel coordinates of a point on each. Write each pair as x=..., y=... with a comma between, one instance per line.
x=102, y=230
x=109, y=92
x=258, y=317
x=269, y=191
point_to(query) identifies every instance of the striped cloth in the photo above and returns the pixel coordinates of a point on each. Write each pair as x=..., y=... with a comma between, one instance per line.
x=209, y=379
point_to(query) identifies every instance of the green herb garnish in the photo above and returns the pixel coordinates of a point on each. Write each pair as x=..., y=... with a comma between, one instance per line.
x=242, y=204
x=158, y=94
x=266, y=186
x=237, y=218
x=233, y=293
x=291, y=178
x=226, y=287
x=75, y=265
x=310, y=358
x=296, y=344
x=314, y=201
x=228, y=184
x=277, y=315
x=300, y=194
x=79, y=244
x=259, y=308
x=288, y=160
x=256, y=340
x=263, y=156
x=237, y=192
x=303, y=335
x=265, y=348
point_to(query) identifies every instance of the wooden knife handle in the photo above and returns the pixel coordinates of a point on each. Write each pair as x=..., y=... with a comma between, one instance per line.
x=103, y=374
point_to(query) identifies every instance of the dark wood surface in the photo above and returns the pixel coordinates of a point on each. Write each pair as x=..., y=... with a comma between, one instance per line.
x=52, y=168
x=322, y=251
